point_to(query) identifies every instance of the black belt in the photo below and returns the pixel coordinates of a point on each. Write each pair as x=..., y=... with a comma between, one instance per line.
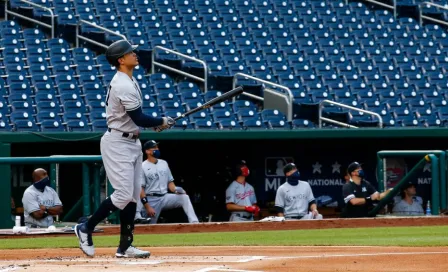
x=293, y=217
x=244, y=216
x=125, y=134
x=154, y=194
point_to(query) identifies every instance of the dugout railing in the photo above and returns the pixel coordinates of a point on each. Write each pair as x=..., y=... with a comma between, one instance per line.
x=90, y=170
x=438, y=161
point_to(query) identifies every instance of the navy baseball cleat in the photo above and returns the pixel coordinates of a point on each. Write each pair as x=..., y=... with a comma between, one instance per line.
x=85, y=240
x=132, y=252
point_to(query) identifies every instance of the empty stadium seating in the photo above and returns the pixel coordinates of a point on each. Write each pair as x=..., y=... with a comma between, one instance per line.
x=319, y=49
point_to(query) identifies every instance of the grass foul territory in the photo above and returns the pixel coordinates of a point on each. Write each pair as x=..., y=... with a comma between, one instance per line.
x=396, y=236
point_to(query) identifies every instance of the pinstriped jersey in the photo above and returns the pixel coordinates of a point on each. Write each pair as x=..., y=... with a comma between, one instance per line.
x=123, y=95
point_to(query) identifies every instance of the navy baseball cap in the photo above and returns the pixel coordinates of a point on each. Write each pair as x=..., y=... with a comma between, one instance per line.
x=150, y=144
x=290, y=166
x=409, y=184
x=353, y=166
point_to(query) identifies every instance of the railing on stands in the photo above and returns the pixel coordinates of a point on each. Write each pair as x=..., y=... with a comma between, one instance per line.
x=428, y=4
x=31, y=19
x=380, y=120
x=54, y=161
x=288, y=96
x=377, y=3
x=156, y=63
x=78, y=36
x=438, y=174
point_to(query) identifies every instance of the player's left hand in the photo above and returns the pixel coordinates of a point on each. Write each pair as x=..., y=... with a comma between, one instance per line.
x=180, y=191
x=315, y=213
x=168, y=121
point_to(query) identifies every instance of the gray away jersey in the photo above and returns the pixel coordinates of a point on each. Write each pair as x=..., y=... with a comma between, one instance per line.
x=403, y=208
x=124, y=95
x=239, y=194
x=31, y=200
x=156, y=177
x=294, y=199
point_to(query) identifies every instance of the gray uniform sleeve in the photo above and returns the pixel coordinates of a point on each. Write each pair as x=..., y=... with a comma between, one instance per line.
x=30, y=202
x=279, y=198
x=143, y=178
x=397, y=208
x=57, y=200
x=230, y=194
x=310, y=196
x=253, y=198
x=129, y=96
x=170, y=176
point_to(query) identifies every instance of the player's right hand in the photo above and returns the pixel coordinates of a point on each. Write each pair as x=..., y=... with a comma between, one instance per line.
x=168, y=121
x=150, y=211
x=252, y=209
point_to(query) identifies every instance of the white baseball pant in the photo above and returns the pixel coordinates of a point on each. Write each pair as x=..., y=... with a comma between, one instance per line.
x=122, y=159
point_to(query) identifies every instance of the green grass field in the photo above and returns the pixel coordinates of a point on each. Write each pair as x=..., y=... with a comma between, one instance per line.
x=395, y=236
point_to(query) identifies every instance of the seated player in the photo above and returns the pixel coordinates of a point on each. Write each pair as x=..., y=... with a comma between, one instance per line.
x=409, y=204
x=40, y=201
x=240, y=196
x=157, y=181
x=294, y=198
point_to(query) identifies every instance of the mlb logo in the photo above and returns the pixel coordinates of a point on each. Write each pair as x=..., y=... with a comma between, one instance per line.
x=364, y=189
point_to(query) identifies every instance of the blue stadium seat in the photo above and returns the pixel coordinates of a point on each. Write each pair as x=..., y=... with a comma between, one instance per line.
x=77, y=125
x=243, y=104
x=25, y=125
x=204, y=124
x=99, y=125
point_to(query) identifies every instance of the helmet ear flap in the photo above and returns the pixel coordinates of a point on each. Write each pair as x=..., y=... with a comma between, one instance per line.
x=240, y=167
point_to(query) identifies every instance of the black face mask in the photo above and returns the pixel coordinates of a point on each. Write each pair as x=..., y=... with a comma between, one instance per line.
x=41, y=184
x=294, y=178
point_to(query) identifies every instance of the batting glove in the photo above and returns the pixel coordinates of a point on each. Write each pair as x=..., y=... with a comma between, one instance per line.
x=168, y=121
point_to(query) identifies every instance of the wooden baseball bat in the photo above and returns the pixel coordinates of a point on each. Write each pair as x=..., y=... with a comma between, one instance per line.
x=214, y=101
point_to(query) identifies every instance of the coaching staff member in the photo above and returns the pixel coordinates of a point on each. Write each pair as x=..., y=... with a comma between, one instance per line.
x=358, y=194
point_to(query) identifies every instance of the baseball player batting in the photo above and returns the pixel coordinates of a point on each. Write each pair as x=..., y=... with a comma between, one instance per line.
x=122, y=151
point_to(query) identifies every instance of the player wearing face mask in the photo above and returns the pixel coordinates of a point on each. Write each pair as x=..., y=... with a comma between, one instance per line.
x=294, y=199
x=358, y=194
x=240, y=196
x=40, y=201
x=158, y=189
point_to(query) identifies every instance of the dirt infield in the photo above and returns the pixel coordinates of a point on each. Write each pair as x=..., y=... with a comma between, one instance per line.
x=244, y=259
x=255, y=226
x=238, y=259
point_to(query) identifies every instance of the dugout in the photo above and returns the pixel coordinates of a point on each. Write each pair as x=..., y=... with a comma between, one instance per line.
x=201, y=160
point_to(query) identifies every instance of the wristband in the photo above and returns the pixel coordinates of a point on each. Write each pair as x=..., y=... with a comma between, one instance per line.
x=368, y=200
x=144, y=200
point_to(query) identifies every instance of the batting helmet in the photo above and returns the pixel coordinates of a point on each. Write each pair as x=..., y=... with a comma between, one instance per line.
x=241, y=169
x=117, y=50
